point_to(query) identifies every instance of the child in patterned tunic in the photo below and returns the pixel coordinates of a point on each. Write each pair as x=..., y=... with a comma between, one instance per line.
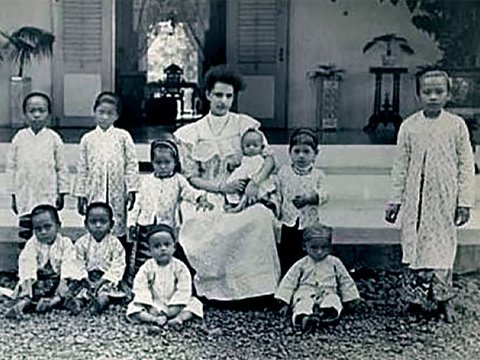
x=302, y=187
x=36, y=163
x=48, y=270
x=433, y=184
x=159, y=198
x=248, y=166
x=317, y=285
x=108, y=166
x=103, y=257
x=163, y=285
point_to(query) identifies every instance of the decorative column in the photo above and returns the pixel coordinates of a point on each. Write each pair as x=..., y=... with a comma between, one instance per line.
x=326, y=80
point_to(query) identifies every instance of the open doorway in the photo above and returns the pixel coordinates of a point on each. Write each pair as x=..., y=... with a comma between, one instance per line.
x=163, y=48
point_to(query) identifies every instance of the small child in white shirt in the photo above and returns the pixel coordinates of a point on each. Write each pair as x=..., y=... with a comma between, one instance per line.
x=103, y=258
x=163, y=285
x=249, y=165
x=317, y=285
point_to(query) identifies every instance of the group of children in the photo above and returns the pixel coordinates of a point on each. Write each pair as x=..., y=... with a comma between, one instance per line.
x=315, y=285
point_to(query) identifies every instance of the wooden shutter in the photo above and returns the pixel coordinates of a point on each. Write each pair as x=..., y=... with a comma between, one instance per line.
x=82, y=35
x=257, y=31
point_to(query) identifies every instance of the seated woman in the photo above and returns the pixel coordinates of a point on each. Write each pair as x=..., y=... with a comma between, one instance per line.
x=235, y=257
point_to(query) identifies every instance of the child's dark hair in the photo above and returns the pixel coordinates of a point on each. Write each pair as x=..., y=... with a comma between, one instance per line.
x=160, y=228
x=431, y=72
x=46, y=208
x=108, y=97
x=39, y=94
x=304, y=136
x=166, y=142
x=317, y=231
x=102, y=205
x=223, y=74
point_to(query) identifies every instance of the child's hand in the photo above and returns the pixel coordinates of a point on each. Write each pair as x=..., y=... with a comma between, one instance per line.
x=462, y=215
x=60, y=201
x=232, y=162
x=301, y=201
x=14, y=204
x=204, y=204
x=391, y=213
x=131, y=197
x=82, y=205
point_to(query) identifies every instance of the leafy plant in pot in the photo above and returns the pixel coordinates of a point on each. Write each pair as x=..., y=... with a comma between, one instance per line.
x=389, y=41
x=22, y=46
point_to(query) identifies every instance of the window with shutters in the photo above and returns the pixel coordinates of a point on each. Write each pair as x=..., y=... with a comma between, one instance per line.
x=82, y=35
x=257, y=31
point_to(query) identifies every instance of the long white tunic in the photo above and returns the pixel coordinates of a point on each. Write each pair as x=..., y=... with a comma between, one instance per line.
x=36, y=169
x=107, y=255
x=440, y=150
x=107, y=171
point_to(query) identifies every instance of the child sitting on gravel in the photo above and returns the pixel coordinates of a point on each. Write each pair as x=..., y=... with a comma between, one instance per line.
x=103, y=257
x=48, y=270
x=252, y=143
x=163, y=285
x=316, y=286
x=433, y=183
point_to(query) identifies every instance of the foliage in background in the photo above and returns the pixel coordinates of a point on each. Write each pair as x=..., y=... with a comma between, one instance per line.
x=454, y=25
x=26, y=44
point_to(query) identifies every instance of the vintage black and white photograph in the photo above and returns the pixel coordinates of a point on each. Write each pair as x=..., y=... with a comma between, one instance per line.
x=239, y=179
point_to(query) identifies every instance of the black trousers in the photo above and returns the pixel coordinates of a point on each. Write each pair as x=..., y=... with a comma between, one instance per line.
x=290, y=249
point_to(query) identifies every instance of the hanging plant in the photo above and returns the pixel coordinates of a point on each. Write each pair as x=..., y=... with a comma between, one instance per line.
x=327, y=71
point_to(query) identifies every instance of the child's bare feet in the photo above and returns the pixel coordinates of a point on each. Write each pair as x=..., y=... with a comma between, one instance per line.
x=160, y=320
x=16, y=311
x=45, y=305
x=100, y=304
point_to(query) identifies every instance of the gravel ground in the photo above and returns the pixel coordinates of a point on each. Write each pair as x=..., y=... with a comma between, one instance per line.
x=379, y=330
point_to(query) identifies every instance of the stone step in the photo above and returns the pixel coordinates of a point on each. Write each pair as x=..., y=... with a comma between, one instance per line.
x=361, y=236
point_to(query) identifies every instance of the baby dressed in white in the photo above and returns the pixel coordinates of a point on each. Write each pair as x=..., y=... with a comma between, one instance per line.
x=316, y=286
x=163, y=285
x=252, y=143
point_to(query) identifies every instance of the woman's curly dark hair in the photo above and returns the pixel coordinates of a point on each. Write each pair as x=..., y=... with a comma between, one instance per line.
x=223, y=74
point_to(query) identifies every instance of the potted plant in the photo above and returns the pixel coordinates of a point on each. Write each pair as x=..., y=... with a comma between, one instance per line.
x=389, y=41
x=22, y=46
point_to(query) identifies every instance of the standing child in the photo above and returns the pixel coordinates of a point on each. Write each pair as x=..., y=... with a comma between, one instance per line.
x=102, y=255
x=159, y=198
x=48, y=269
x=163, y=285
x=36, y=163
x=302, y=187
x=253, y=146
x=432, y=176
x=108, y=167
x=316, y=286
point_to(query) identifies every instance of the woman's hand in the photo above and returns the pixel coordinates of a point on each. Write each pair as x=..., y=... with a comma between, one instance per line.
x=462, y=215
x=131, y=197
x=391, y=213
x=234, y=187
